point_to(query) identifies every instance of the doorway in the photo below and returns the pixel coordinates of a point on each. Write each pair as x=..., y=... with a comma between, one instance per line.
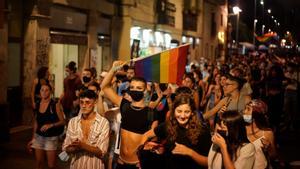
x=59, y=56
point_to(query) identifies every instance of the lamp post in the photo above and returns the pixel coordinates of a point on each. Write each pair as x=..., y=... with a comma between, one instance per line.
x=263, y=29
x=254, y=31
x=236, y=11
x=254, y=23
x=263, y=10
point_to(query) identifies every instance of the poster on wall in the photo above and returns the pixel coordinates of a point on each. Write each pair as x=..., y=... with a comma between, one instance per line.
x=135, y=49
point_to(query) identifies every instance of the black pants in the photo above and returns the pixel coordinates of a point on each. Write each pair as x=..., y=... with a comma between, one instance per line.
x=126, y=166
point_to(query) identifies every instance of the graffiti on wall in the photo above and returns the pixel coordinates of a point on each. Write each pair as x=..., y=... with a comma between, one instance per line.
x=42, y=52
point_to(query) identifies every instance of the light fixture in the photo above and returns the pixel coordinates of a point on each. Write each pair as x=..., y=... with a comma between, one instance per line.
x=261, y=2
x=236, y=10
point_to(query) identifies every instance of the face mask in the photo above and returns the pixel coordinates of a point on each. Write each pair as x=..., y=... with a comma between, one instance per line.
x=86, y=79
x=247, y=118
x=136, y=95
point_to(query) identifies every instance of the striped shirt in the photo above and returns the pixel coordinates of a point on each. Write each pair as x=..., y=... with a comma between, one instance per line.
x=98, y=137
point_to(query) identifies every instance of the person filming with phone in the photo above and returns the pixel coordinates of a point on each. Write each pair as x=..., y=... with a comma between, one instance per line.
x=231, y=148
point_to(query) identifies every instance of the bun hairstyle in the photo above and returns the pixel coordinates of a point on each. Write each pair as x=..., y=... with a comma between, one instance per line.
x=72, y=66
x=241, y=81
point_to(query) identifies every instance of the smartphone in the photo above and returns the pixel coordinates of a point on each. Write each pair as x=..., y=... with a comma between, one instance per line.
x=223, y=133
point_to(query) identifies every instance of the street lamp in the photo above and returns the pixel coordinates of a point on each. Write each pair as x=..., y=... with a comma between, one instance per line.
x=236, y=11
x=254, y=31
x=269, y=11
x=263, y=29
x=263, y=9
x=261, y=2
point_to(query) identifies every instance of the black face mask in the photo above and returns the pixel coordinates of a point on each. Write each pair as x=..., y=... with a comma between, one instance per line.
x=86, y=79
x=136, y=95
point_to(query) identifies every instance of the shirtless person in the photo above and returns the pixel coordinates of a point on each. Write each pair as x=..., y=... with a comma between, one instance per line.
x=135, y=120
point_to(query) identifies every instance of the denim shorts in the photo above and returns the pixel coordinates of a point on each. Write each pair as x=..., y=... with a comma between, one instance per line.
x=45, y=143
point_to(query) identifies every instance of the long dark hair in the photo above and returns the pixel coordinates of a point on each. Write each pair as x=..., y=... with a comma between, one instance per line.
x=194, y=126
x=42, y=72
x=237, y=135
x=260, y=114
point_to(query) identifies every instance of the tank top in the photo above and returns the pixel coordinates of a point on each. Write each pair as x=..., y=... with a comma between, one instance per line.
x=260, y=159
x=48, y=117
x=238, y=105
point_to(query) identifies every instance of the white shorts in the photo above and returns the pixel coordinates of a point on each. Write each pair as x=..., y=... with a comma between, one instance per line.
x=45, y=143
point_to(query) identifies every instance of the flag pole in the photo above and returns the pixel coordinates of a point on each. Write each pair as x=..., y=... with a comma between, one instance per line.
x=141, y=58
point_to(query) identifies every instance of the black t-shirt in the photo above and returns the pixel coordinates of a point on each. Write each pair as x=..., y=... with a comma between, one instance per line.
x=135, y=119
x=179, y=161
x=48, y=117
x=161, y=109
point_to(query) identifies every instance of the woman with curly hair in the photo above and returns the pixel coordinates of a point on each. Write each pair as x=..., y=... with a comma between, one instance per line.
x=186, y=141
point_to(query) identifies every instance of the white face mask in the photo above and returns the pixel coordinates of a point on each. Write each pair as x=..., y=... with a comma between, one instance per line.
x=247, y=118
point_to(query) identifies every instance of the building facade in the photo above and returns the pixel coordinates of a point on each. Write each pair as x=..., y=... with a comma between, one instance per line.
x=215, y=29
x=94, y=33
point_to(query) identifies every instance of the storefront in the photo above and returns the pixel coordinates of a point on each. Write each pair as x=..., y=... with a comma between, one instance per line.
x=68, y=42
x=194, y=52
x=100, y=58
x=149, y=41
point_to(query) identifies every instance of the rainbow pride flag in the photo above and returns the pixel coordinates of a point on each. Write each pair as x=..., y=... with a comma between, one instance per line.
x=165, y=67
x=266, y=37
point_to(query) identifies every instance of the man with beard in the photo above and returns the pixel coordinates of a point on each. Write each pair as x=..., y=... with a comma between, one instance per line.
x=135, y=116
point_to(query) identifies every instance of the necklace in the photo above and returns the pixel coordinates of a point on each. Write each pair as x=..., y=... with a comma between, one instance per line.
x=136, y=108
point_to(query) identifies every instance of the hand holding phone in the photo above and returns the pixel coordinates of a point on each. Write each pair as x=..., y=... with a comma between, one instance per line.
x=222, y=133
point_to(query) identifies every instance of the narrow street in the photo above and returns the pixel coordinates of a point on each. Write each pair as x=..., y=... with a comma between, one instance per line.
x=13, y=154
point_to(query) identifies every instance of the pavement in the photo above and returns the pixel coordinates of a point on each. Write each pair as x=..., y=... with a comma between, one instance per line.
x=13, y=153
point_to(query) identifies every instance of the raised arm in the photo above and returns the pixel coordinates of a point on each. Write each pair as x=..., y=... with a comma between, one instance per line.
x=154, y=103
x=106, y=87
x=215, y=109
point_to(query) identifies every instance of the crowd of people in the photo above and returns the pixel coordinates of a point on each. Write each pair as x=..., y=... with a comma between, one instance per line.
x=222, y=115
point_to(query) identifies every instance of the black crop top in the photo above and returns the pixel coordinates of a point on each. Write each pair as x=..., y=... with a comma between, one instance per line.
x=135, y=120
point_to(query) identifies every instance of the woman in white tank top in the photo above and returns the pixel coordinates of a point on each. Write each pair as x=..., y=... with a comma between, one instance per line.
x=259, y=133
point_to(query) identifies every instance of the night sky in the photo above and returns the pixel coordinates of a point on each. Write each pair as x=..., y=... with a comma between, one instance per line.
x=286, y=12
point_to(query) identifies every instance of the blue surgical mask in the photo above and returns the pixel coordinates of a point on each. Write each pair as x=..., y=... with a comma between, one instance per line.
x=247, y=118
